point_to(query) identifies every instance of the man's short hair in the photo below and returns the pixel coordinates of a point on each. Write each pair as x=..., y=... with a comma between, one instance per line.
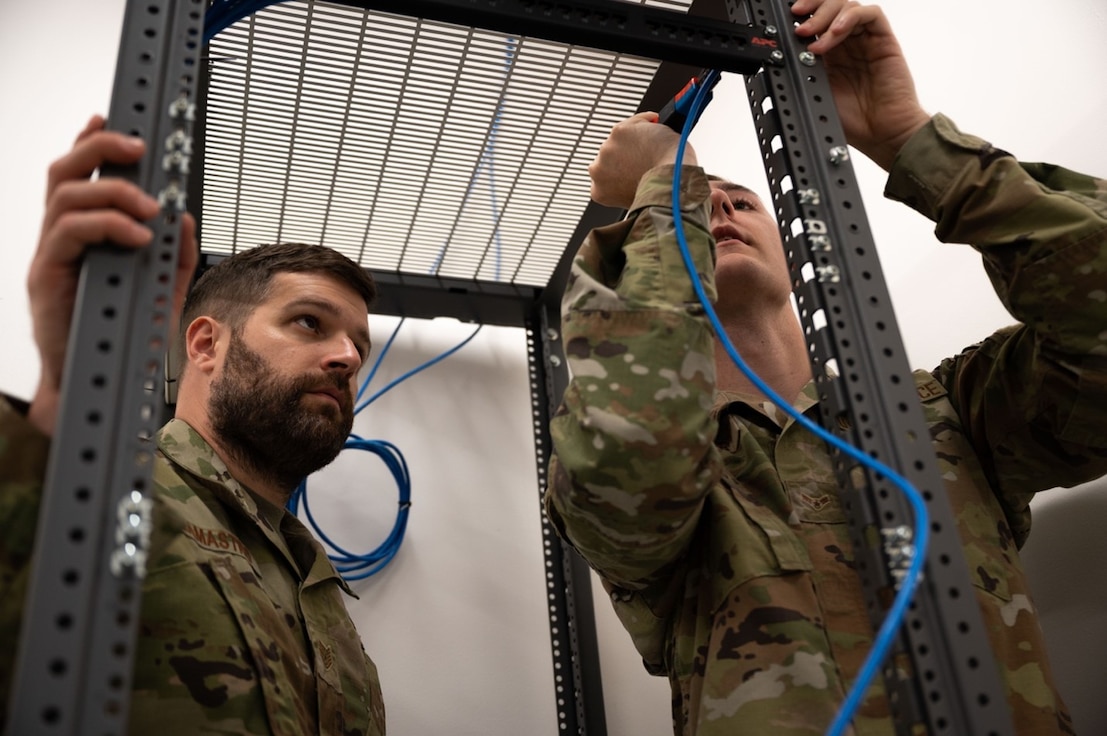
x=231, y=289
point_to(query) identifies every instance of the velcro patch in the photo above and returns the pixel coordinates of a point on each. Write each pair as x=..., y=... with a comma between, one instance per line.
x=930, y=389
x=216, y=540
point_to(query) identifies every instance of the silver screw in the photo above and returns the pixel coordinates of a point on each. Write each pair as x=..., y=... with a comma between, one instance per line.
x=175, y=161
x=182, y=108
x=807, y=58
x=897, y=534
x=551, y=334
x=770, y=30
x=179, y=141
x=555, y=361
x=777, y=55
x=809, y=196
x=839, y=154
x=128, y=563
x=819, y=242
x=172, y=196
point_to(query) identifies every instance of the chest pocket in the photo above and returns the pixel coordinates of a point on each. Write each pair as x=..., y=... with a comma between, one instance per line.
x=735, y=542
x=350, y=700
x=745, y=528
x=750, y=516
x=743, y=542
x=739, y=538
x=280, y=663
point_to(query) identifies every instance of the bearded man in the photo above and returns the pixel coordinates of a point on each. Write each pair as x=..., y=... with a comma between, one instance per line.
x=244, y=629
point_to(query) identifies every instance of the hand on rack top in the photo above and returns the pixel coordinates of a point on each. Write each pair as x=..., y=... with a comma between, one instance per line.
x=873, y=87
x=634, y=146
x=81, y=211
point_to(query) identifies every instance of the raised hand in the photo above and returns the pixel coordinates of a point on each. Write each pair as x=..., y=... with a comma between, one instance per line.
x=634, y=146
x=873, y=88
x=82, y=211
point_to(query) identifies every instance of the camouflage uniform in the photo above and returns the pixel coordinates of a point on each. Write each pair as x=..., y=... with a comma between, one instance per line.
x=714, y=520
x=244, y=629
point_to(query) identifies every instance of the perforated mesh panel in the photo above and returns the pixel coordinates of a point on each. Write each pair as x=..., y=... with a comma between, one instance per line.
x=409, y=145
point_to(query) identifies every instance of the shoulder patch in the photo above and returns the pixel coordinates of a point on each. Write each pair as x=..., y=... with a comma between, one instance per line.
x=929, y=388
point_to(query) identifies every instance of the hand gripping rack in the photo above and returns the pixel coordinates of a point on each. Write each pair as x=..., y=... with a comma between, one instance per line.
x=74, y=660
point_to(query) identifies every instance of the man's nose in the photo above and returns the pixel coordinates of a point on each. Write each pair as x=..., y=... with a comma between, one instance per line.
x=343, y=355
x=721, y=206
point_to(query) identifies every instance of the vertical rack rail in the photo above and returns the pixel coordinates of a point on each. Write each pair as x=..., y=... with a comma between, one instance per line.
x=74, y=661
x=577, y=681
x=941, y=674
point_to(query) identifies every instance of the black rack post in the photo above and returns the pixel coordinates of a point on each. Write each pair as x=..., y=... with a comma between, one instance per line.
x=74, y=661
x=578, y=684
x=942, y=674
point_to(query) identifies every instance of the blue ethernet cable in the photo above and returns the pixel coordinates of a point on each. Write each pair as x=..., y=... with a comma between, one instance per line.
x=352, y=566
x=380, y=358
x=413, y=371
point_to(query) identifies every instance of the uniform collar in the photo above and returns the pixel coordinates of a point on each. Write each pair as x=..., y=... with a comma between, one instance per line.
x=755, y=408
x=184, y=446
x=738, y=401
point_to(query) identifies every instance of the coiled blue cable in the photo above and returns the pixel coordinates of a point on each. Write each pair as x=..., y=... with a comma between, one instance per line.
x=354, y=566
x=898, y=611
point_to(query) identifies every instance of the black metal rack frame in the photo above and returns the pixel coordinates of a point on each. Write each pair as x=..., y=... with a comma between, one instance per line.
x=73, y=672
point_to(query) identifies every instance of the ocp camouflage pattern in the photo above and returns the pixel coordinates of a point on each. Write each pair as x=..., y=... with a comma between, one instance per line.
x=243, y=627
x=714, y=520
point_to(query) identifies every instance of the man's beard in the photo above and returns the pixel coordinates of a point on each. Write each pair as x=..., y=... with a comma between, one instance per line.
x=261, y=420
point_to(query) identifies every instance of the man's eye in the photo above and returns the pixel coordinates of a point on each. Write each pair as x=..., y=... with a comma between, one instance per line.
x=308, y=321
x=743, y=204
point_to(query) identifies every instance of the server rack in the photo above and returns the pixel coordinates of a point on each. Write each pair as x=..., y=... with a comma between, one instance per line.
x=82, y=610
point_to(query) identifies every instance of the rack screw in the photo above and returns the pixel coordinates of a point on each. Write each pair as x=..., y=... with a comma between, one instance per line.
x=807, y=58
x=819, y=243
x=770, y=30
x=809, y=196
x=839, y=154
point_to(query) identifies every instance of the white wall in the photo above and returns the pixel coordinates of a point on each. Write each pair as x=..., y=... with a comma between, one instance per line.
x=457, y=624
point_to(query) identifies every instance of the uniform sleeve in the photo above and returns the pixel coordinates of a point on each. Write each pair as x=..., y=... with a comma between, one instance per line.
x=23, y=455
x=633, y=439
x=1032, y=397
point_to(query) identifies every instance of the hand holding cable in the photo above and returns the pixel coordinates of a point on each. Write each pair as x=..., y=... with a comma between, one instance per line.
x=634, y=146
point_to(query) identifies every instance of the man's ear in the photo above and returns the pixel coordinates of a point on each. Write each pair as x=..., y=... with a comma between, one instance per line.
x=203, y=343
